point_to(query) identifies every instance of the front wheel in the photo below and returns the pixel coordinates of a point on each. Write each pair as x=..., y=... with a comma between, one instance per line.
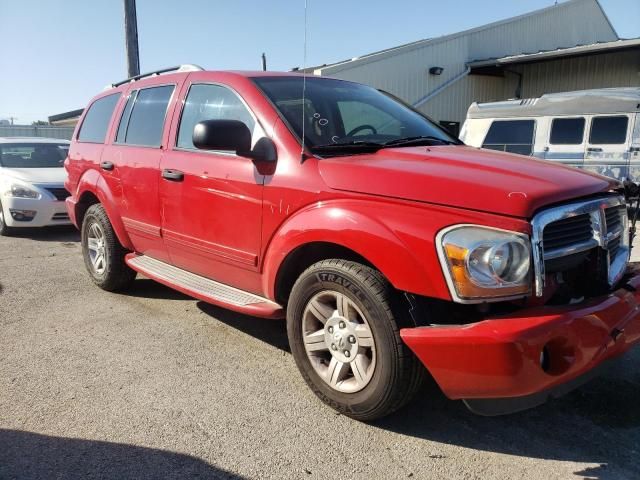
x=103, y=254
x=345, y=340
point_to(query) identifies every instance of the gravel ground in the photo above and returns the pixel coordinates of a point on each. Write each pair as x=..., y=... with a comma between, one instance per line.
x=153, y=384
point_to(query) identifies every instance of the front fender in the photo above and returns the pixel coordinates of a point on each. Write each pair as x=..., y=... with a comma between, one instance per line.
x=397, y=241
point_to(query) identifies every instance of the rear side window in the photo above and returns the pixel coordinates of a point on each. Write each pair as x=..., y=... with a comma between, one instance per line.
x=515, y=136
x=608, y=130
x=567, y=131
x=210, y=102
x=96, y=121
x=147, y=117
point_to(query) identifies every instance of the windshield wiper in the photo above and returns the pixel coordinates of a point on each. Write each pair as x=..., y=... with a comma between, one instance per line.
x=349, y=146
x=419, y=140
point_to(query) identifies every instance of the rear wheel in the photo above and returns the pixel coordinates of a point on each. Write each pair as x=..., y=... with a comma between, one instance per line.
x=345, y=340
x=4, y=230
x=103, y=254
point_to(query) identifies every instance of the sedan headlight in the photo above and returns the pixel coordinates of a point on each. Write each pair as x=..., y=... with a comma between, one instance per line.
x=21, y=191
x=483, y=264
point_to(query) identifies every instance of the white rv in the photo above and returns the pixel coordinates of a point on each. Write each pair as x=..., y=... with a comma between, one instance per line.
x=598, y=130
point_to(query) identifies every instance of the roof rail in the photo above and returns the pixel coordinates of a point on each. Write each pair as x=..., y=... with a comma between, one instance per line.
x=179, y=68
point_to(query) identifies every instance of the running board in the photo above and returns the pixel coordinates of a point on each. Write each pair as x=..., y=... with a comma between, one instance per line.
x=204, y=288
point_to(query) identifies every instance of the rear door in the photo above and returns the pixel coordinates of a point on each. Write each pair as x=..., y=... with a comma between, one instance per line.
x=607, y=147
x=136, y=151
x=566, y=140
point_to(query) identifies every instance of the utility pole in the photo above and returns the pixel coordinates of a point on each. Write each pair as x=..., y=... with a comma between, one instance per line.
x=131, y=37
x=264, y=62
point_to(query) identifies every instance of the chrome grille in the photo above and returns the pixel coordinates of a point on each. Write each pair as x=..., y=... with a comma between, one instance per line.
x=569, y=229
x=567, y=232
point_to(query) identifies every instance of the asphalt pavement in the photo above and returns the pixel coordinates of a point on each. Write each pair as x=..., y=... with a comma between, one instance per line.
x=153, y=384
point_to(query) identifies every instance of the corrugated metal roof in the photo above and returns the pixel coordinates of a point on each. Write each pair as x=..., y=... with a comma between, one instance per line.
x=379, y=55
x=593, y=48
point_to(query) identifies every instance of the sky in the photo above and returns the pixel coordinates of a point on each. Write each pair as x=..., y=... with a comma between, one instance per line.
x=57, y=54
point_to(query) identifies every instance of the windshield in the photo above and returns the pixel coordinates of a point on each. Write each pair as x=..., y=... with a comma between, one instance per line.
x=32, y=155
x=339, y=113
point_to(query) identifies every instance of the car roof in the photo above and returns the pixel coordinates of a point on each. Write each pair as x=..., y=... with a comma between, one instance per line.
x=32, y=140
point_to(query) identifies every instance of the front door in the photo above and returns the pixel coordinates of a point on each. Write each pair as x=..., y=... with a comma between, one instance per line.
x=607, y=151
x=211, y=201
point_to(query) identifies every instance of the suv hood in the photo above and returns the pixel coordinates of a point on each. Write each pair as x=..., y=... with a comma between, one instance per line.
x=36, y=175
x=464, y=177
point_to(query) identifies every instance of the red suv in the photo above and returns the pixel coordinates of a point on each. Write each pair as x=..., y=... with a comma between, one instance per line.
x=392, y=248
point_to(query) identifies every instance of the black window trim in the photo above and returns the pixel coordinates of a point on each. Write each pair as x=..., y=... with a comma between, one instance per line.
x=228, y=153
x=513, y=119
x=104, y=141
x=610, y=115
x=570, y=117
x=164, y=121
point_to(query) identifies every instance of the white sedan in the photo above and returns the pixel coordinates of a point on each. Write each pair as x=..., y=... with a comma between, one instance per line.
x=32, y=179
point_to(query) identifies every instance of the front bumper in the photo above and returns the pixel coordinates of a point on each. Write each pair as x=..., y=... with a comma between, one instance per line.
x=48, y=212
x=509, y=363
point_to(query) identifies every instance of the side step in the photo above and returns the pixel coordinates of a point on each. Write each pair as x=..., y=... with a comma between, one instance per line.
x=203, y=288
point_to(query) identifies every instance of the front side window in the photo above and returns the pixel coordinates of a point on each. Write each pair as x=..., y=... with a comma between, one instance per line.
x=337, y=113
x=96, y=121
x=210, y=102
x=146, y=121
x=567, y=131
x=32, y=155
x=514, y=136
x=608, y=130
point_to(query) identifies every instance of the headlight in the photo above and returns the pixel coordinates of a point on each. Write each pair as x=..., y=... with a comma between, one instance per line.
x=482, y=263
x=21, y=191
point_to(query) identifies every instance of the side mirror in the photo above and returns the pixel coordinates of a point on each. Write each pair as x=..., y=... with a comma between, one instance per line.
x=232, y=135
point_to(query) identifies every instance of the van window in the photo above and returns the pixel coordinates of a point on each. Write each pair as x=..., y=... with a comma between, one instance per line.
x=124, y=119
x=96, y=121
x=515, y=136
x=147, y=116
x=608, y=130
x=567, y=131
x=210, y=102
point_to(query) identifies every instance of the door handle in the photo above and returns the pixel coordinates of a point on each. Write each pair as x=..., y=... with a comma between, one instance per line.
x=106, y=166
x=173, y=175
x=634, y=149
x=592, y=149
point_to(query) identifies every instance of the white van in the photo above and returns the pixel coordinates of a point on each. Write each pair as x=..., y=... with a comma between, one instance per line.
x=598, y=130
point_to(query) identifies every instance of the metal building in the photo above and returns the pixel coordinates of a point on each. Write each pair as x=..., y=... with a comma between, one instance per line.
x=443, y=76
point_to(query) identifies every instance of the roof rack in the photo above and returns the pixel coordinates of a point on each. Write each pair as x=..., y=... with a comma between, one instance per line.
x=179, y=68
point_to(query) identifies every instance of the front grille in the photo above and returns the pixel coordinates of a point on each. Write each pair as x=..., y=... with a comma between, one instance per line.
x=567, y=232
x=59, y=193
x=613, y=218
x=614, y=247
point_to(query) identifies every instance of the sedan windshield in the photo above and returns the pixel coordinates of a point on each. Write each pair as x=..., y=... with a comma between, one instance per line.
x=32, y=155
x=340, y=117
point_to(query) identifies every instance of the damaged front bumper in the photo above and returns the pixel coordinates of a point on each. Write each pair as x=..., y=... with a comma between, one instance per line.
x=510, y=363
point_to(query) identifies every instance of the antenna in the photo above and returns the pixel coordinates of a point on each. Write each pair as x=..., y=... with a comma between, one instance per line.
x=304, y=79
x=264, y=62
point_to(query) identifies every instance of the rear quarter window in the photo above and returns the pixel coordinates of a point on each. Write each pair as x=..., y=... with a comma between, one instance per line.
x=96, y=121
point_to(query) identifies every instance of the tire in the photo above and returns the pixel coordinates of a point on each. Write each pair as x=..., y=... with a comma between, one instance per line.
x=5, y=231
x=98, y=238
x=380, y=374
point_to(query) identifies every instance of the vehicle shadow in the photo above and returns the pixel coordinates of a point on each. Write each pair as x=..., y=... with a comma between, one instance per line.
x=273, y=332
x=30, y=456
x=62, y=233
x=147, y=288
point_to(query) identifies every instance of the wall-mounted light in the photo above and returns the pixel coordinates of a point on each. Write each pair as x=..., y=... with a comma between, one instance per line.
x=436, y=70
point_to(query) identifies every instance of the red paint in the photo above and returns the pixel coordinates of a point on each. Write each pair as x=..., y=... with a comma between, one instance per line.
x=236, y=221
